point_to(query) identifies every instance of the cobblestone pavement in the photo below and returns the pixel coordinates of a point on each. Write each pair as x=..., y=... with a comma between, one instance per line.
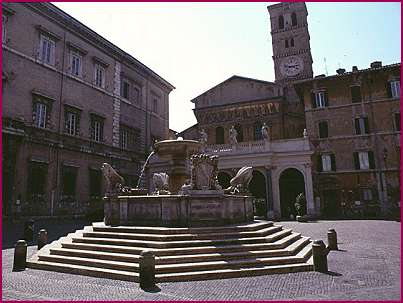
x=366, y=267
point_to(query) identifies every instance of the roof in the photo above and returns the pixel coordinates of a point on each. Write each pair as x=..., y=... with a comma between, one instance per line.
x=73, y=23
x=348, y=73
x=229, y=79
x=190, y=127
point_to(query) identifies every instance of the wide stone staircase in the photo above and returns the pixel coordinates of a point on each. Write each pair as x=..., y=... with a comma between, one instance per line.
x=181, y=254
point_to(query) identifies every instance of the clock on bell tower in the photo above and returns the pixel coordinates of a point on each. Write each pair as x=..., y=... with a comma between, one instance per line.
x=290, y=40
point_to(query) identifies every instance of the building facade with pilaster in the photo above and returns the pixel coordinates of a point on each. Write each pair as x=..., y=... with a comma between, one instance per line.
x=71, y=101
x=353, y=122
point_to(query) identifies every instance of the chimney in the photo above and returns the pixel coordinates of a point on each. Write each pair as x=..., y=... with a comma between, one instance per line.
x=341, y=71
x=355, y=68
x=376, y=64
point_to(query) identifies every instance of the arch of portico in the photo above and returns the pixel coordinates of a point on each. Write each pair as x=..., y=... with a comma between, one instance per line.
x=305, y=170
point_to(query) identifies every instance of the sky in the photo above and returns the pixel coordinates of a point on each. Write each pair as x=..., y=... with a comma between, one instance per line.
x=196, y=46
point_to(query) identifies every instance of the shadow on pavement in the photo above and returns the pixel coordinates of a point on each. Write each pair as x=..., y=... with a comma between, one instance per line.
x=332, y=273
x=56, y=228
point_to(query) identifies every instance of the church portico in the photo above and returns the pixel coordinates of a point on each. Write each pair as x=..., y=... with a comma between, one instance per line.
x=269, y=160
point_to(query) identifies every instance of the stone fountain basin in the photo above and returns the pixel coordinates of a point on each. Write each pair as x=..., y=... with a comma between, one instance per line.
x=178, y=210
x=177, y=148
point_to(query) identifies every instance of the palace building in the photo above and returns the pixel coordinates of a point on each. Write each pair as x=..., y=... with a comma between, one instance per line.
x=346, y=162
x=71, y=101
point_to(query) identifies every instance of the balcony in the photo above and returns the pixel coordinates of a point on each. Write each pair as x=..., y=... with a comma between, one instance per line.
x=255, y=147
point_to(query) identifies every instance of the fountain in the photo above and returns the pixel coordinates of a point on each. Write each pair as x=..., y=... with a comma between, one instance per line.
x=192, y=197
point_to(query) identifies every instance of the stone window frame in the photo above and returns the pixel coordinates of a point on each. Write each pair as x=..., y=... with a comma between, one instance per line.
x=77, y=112
x=294, y=20
x=96, y=119
x=327, y=128
x=32, y=180
x=133, y=137
x=92, y=174
x=40, y=98
x=49, y=57
x=99, y=64
x=281, y=22
x=7, y=12
x=124, y=81
x=393, y=88
x=76, y=52
x=353, y=100
x=396, y=125
x=52, y=38
x=74, y=57
x=68, y=196
x=323, y=101
x=327, y=162
x=364, y=160
x=361, y=125
x=99, y=75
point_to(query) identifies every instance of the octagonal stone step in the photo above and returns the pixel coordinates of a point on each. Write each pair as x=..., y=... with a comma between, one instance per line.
x=287, y=238
x=255, y=225
x=172, y=244
x=181, y=258
x=185, y=236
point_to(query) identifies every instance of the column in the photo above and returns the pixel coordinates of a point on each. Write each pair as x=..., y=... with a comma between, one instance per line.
x=275, y=186
x=269, y=193
x=311, y=210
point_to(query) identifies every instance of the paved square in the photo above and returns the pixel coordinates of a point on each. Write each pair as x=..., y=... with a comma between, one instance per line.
x=366, y=267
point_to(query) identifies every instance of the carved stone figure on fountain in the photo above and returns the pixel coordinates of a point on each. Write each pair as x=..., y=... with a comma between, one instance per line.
x=233, y=134
x=113, y=181
x=265, y=132
x=204, y=172
x=161, y=184
x=240, y=183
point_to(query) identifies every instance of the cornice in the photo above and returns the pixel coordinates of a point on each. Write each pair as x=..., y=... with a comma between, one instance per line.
x=55, y=14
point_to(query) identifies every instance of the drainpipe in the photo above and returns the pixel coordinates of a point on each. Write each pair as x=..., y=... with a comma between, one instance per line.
x=56, y=190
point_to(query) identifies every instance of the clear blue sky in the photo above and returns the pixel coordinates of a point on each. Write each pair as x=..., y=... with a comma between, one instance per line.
x=198, y=45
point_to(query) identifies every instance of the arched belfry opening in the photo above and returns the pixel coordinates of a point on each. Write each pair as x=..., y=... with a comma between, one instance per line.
x=291, y=185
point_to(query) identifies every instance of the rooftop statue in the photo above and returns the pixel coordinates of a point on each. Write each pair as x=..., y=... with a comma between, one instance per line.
x=265, y=132
x=233, y=135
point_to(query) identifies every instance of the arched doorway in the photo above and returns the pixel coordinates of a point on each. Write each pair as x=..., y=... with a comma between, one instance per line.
x=257, y=187
x=224, y=179
x=291, y=184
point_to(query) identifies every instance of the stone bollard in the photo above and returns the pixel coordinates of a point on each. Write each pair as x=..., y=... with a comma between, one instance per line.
x=332, y=239
x=147, y=270
x=319, y=253
x=20, y=255
x=42, y=238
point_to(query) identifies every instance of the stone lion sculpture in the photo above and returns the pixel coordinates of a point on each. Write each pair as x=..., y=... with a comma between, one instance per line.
x=113, y=180
x=239, y=183
x=160, y=181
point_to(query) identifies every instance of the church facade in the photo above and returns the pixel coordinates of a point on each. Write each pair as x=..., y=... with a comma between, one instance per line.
x=285, y=164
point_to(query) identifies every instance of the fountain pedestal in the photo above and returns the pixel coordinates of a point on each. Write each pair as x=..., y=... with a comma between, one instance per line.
x=177, y=153
x=178, y=210
x=202, y=202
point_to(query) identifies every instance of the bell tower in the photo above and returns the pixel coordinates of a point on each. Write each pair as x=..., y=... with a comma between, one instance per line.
x=291, y=48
